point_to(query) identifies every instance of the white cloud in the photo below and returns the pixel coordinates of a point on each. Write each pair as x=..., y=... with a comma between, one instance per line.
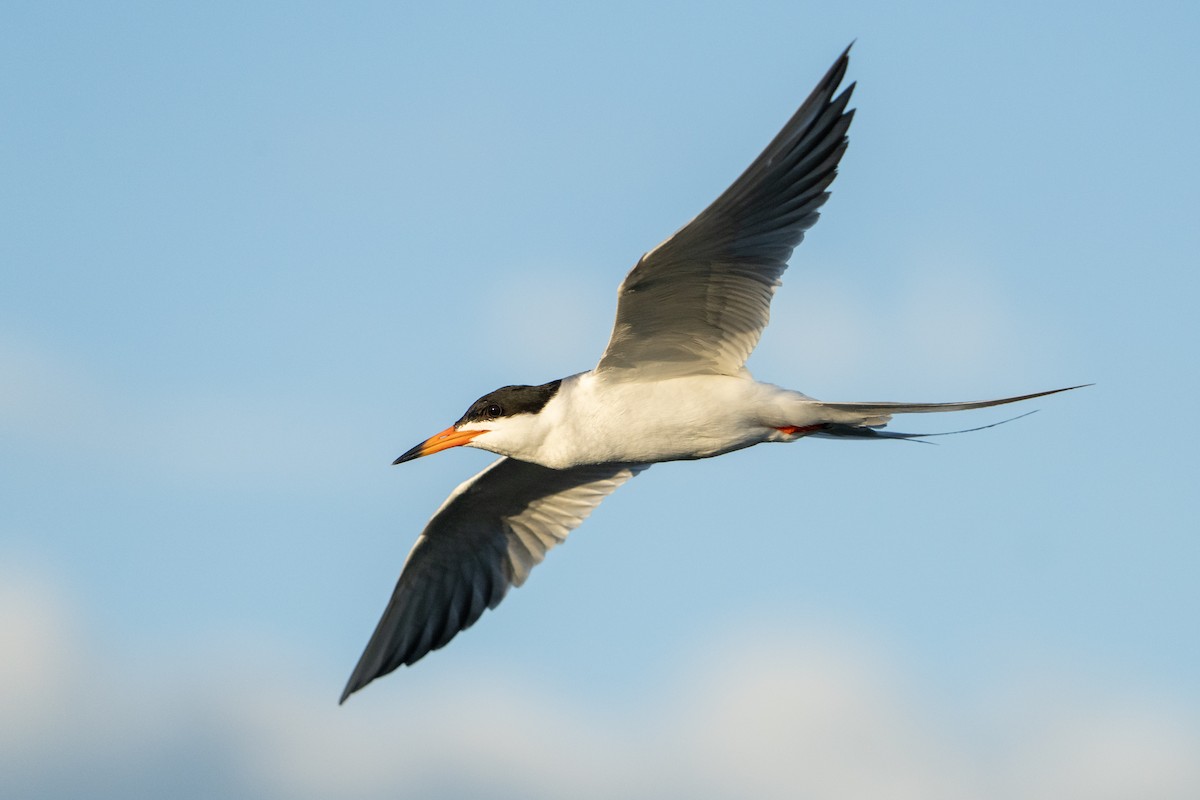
x=551, y=321
x=1074, y=744
x=35, y=660
x=35, y=388
x=770, y=715
x=947, y=325
x=221, y=435
x=823, y=335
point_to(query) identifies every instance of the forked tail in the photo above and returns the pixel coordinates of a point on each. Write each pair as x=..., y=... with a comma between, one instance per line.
x=862, y=420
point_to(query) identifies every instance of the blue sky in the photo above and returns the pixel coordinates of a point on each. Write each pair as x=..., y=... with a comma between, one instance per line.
x=252, y=252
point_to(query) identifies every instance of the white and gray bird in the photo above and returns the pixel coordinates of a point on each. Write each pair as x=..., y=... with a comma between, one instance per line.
x=671, y=385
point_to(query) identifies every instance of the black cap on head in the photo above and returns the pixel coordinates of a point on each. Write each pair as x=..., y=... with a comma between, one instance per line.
x=509, y=401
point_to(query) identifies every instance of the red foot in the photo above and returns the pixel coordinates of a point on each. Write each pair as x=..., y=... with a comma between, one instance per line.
x=792, y=430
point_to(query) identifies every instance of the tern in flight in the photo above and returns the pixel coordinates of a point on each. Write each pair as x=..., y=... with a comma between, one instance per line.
x=672, y=385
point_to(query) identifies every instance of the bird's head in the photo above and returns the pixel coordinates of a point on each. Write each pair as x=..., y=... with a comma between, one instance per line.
x=500, y=421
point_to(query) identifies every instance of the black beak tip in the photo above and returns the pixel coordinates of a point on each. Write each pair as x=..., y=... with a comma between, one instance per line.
x=409, y=456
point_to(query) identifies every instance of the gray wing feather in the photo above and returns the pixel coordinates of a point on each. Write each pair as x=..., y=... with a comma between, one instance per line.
x=698, y=303
x=487, y=536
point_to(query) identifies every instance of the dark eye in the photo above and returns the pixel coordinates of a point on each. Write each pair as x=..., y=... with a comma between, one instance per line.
x=493, y=411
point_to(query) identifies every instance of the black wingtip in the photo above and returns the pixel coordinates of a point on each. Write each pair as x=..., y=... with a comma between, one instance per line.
x=833, y=78
x=352, y=686
x=837, y=71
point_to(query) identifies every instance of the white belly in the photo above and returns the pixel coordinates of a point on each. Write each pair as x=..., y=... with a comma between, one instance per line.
x=595, y=421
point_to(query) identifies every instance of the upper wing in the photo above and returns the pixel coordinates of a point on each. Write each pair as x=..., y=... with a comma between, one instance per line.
x=488, y=534
x=697, y=303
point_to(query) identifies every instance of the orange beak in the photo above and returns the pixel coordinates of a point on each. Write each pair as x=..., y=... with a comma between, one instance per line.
x=438, y=442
